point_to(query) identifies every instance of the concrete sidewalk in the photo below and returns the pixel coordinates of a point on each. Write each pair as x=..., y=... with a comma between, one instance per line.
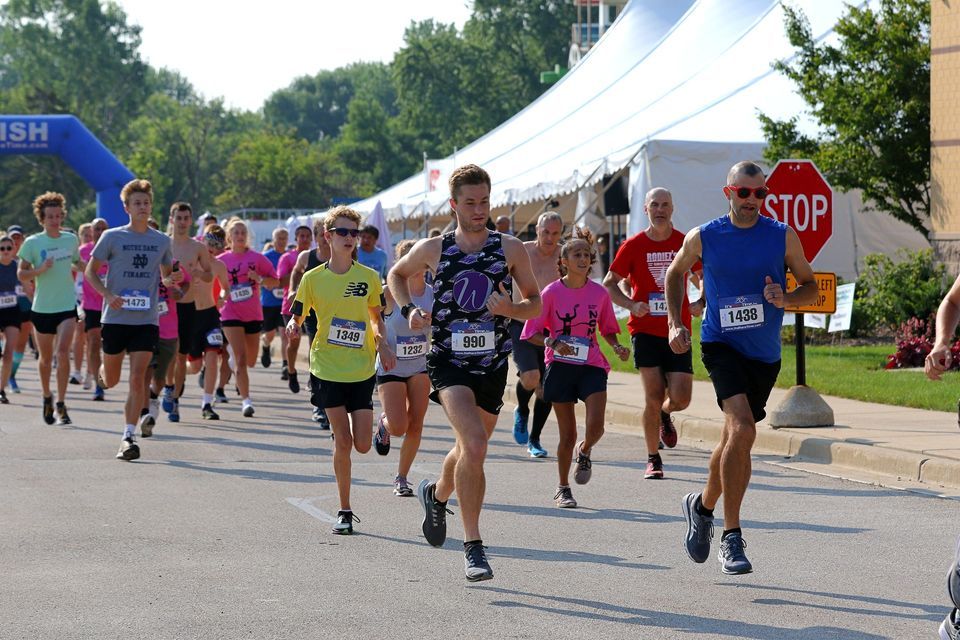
x=913, y=446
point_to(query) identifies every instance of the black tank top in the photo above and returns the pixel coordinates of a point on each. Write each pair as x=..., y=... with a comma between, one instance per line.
x=465, y=333
x=312, y=260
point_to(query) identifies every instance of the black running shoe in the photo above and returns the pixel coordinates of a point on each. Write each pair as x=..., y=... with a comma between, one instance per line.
x=220, y=396
x=344, y=523
x=292, y=382
x=435, y=514
x=284, y=374
x=3, y=398
x=265, y=356
x=381, y=439
x=48, y=410
x=209, y=413
x=129, y=450
x=62, y=417
x=475, y=562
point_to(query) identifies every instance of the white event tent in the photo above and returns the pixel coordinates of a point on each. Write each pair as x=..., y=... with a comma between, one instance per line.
x=671, y=92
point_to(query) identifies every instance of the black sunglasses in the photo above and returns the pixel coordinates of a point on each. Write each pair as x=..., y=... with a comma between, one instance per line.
x=10, y=248
x=343, y=233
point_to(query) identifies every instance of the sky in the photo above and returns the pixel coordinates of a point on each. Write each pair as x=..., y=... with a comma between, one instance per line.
x=244, y=50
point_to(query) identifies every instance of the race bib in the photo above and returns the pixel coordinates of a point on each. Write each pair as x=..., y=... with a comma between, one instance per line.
x=8, y=299
x=240, y=292
x=658, y=304
x=135, y=299
x=411, y=347
x=215, y=338
x=472, y=338
x=163, y=307
x=277, y=293
x=741, y=312
x=581, y=349
x=347, y=333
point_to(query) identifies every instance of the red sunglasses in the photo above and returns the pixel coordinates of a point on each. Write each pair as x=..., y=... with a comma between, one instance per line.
x=744, y=192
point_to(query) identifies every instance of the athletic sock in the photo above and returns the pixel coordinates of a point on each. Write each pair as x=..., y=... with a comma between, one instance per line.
x=727, y=532
x=128, y=431
x=207, y=399
x=523, y=400
x=654, y=457
x=469, y=542
x=541, y=411
x=702, y=510
x=17, y=359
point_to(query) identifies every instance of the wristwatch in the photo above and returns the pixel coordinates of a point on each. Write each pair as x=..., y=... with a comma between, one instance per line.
x=406, y=309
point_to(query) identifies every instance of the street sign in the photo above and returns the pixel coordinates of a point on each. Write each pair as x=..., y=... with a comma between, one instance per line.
x=826, y=301
x=800, y=197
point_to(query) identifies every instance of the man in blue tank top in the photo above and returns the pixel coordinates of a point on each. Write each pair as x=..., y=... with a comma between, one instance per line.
x=474, y=270
x=743, y=255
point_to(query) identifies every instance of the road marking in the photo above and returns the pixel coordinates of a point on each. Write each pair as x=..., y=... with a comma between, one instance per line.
x=306, y=505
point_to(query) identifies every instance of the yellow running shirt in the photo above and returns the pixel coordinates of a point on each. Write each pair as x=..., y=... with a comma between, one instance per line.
x=344, y=349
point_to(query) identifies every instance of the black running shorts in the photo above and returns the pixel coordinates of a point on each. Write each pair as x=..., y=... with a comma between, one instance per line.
x=47, y=323
x=526, y=355
x=118, y=338
x=732, y=374
x=566, y=382
x=353, y=396
x=654, y=351
x=487, y=389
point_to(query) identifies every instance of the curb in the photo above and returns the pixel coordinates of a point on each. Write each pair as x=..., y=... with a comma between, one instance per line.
x=701, y=433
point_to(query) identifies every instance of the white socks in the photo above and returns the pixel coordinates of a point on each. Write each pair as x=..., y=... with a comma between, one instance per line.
x=128, y=431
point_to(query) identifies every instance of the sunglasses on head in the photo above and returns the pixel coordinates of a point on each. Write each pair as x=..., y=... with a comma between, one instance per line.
x=744, y=192
x=213, y=241
x=343, y=233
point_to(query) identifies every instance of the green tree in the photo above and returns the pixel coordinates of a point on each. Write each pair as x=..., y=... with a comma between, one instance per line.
x=870, y=94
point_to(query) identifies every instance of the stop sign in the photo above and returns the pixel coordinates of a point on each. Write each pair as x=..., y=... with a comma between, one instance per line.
x=800, y=197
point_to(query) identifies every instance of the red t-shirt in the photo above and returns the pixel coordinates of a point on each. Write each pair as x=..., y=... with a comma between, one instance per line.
x=644, y=262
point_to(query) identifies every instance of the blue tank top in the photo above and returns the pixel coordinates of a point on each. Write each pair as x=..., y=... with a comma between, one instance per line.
x=735, y=265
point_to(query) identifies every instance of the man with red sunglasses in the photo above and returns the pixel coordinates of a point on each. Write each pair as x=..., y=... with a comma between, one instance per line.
x=743, y=256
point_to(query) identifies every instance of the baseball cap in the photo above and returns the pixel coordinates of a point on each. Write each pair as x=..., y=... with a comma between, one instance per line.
x=14, y=228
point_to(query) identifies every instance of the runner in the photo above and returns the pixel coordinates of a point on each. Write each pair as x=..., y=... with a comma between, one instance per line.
x=24, y=302
x=405, y=389
x=743, y=256
x=194, y=260
x=369, y=254
x=84, y=235
x=345, y=296
x=285, y=266
x=467, y=363
x=136, y=257
x=575, y=309
x=667, y=377
x=306, y=261
x=272, y=300
x=529, y=357
x=242, y=315
x=92, y=304
x=48, y=258
x=9, y=312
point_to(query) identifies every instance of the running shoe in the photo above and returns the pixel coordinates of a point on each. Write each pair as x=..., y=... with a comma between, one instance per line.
x=654, y=469
x=3, y=398
x=381, y=440
x=247, y=409
x=88, y=381
x=583, y=471
x=668, y=433
x=435, y=514
x=13, y=385
x=520, y=434
x=166, y=399
x=344, y=524
x=535, y=450
x=62, y=417
x=265, y=356
x=699, y=529
x=220, y=397
x=174, y=416
x=209, y=413
x=320, y=417
x=98, y=393
x=950, y=627
x=146, y=424
x=75, y=378
x=564, y=498
x=48, y=410
x=953, y=578
x=284, y=374
x=292, y=382
x=401, y=487
x=733, y=560
x=129, y=450
x=475, y=562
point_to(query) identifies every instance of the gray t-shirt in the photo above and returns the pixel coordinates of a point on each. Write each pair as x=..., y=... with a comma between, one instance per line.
x=134, y=261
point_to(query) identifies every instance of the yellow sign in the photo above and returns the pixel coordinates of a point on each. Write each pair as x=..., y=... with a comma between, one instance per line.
x=827, y=300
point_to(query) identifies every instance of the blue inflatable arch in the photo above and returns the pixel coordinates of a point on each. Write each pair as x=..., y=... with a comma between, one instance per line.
x=66, y=137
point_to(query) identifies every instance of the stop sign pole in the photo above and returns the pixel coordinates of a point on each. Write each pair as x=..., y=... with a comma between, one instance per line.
x=801, y=198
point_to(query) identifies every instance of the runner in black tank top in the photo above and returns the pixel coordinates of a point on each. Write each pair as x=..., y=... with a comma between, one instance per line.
x=475, y=272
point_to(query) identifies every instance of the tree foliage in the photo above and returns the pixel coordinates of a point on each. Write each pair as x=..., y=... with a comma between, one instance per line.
x=870, y=94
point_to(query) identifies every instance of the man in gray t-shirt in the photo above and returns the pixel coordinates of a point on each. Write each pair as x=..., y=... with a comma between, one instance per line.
x=134, y=261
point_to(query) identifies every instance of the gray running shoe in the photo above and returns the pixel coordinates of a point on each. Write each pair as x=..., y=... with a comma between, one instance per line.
x=950, y=627
x=583, y=471
x=129, y=450
x=402, y=488
x=953, y=578
x=564, y=498
x=63, y=418
x=434, y=514
x=733, y=560
x=344, y=524
x=146, y=424
x=475, y=562
x=699, y=529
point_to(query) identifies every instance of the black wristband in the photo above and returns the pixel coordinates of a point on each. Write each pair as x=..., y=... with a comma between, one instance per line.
x=406, y=309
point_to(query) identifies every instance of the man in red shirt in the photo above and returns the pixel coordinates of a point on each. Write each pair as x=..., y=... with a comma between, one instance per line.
x=667, y=377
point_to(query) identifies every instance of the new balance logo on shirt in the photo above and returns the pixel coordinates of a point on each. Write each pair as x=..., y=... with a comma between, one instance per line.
x=358, y=289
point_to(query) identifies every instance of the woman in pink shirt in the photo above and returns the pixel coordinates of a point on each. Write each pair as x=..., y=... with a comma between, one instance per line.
x=575, y=310
x=242, y=316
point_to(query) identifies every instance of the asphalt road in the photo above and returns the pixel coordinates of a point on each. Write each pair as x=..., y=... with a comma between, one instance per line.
x=222, y=530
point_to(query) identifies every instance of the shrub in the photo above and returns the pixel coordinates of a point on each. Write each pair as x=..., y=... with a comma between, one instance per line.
x=890, y=293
